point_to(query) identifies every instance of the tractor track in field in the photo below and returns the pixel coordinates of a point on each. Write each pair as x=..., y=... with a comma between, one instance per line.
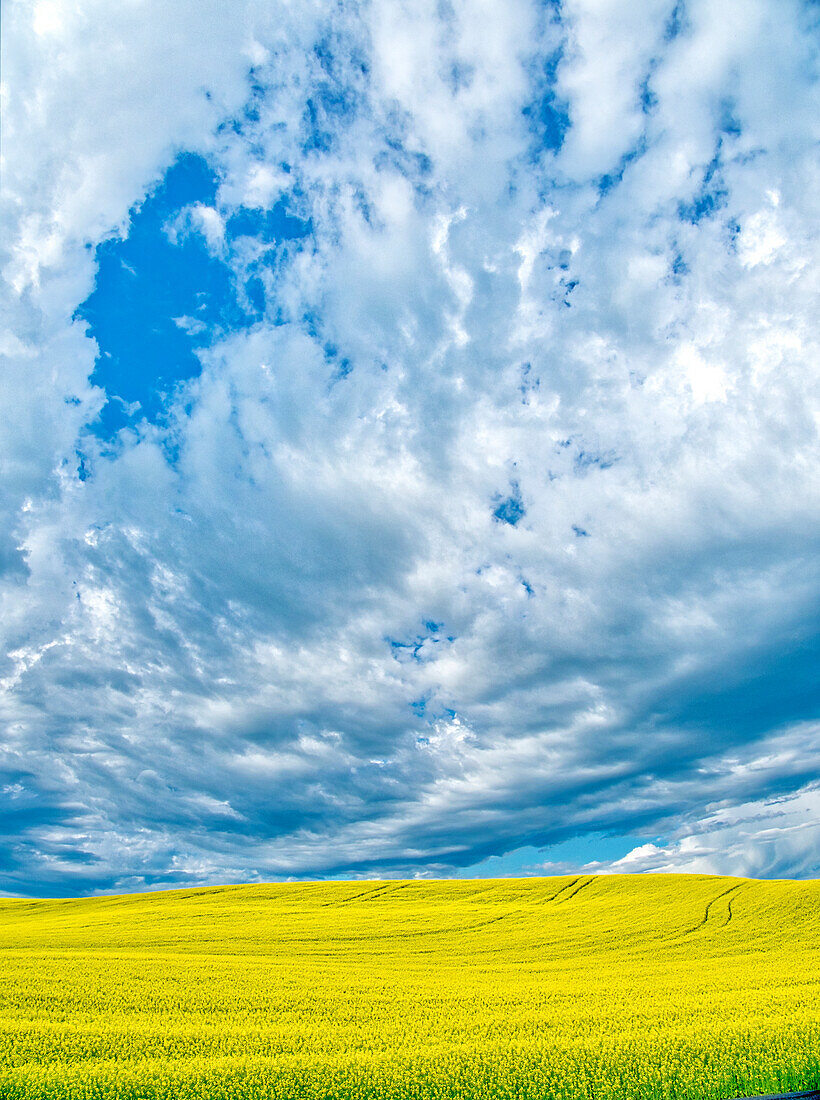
x=377, y=892
x=381, y=891
x=558, y=893
x=729, y=916
x=707, y=913
x=577, y=890
x=493, y=920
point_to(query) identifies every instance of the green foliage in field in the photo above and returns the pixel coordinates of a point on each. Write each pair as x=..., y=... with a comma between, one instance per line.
x=631, y=987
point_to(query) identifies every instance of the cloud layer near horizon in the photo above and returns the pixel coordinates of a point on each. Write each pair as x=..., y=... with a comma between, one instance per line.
x=486, y=516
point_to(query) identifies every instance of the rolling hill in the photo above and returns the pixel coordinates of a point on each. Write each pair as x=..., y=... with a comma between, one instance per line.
x=603, y=987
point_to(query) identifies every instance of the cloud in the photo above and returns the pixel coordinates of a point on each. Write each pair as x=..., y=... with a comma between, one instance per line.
x=476, y=507
x=762, y=837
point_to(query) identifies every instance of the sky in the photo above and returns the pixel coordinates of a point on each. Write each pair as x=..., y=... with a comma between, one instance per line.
x=409, y=440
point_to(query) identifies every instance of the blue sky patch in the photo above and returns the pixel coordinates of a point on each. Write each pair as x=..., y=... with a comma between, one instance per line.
x=511, y=508
x=548, y=115
x=161, y=294
x=156, y=301
x=611, y=179
x=269, y=226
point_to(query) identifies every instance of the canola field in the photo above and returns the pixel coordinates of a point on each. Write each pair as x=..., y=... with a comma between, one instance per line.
x=641, y=987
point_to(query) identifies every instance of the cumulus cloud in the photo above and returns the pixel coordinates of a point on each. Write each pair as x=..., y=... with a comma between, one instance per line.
x=487, y=513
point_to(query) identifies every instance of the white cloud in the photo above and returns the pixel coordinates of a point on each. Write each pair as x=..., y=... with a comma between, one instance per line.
x=289, y=631
x=774, y=837
x=610, y=44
